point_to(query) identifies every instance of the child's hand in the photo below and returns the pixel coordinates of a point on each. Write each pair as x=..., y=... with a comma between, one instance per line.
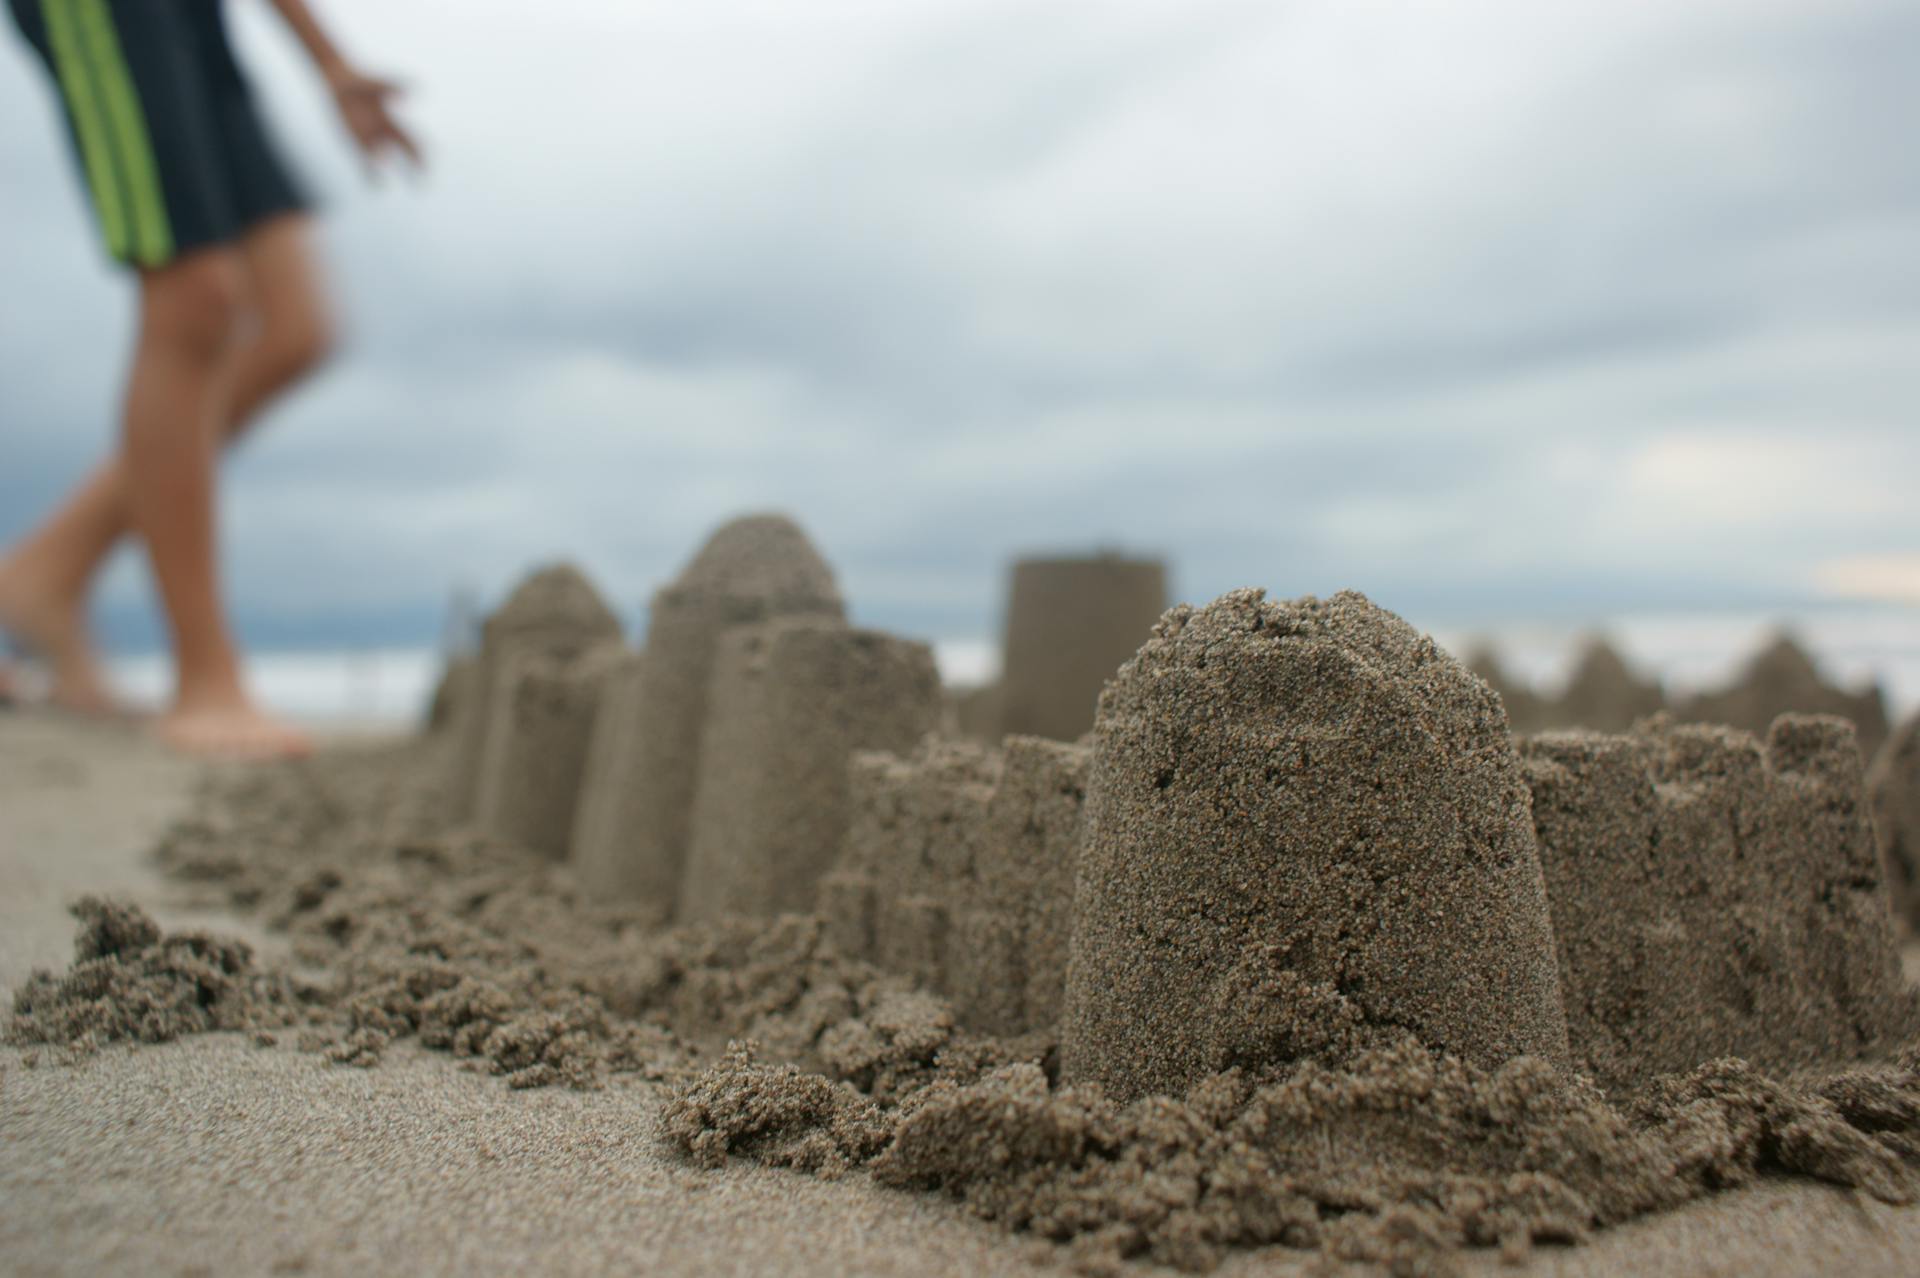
x=364, y=108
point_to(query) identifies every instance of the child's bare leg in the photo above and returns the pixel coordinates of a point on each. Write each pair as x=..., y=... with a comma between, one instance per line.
x=45, y=579
x=191, y=313
x=44, y=583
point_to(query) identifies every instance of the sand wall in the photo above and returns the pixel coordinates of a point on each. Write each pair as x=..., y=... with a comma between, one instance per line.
x=1306, y=829
x=1714, y=895
x=1893, y=786
x=554, y=614
x=1070, y=624
x=789, y=704
x=959, y=871
x=633, y=839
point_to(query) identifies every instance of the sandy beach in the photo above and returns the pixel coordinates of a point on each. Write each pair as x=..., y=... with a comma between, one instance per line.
x=213, y=1155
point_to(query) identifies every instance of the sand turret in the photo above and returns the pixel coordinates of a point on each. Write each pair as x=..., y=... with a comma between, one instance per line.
x=1604, y=693
x=1306, y=830
x=632, y=830
x=1070, y=623
x=790, y=703
x=556, y=615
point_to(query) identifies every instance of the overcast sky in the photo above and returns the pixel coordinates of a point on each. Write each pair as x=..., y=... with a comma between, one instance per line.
x=1492, y=309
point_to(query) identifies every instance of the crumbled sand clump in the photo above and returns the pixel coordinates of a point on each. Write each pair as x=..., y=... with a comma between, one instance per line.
x=1715, y=896
x=1893, y=787
x=130, y=981
x=637, y=821
x=1306, y=832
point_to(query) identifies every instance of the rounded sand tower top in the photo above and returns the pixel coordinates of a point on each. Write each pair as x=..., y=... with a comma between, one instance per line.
x=1306, y=832
x=765, y=558
x=556, y=602
x=1782, y=666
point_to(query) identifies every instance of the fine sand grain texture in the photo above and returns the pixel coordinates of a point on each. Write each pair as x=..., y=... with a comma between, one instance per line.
x=1893, y=788
x=792, y=701
x=1070, y=623
x=634, y=843
x=1306, y=831
x=556, y=615
x=1714, y=895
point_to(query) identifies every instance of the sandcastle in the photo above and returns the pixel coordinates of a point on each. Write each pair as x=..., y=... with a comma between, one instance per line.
x=959, y=871
x=634, y=820
x=554, y=615
x=1893, y=787
x=1297, y=830
x=1714, y=896
x=790, y=702
x=1782, y=679
x=1306, y=827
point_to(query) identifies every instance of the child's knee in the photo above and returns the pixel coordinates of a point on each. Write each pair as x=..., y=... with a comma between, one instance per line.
x=201, y=302
x=299, y=342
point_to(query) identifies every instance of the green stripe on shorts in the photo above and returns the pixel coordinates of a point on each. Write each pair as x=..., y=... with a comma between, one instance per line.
x=127, y=124
x=89, y=123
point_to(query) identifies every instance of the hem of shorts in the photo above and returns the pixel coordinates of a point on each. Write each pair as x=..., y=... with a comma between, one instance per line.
x=232, y=236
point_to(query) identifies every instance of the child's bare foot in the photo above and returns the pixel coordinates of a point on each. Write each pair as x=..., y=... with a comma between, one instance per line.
x=57, y=632
x=230, y=728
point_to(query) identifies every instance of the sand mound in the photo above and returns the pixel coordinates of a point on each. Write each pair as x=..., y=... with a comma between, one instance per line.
x=1306, y=831
x=1893, y=788
x=129, y=981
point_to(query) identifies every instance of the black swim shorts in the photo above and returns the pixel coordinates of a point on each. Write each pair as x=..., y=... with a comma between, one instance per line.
x=175, y=154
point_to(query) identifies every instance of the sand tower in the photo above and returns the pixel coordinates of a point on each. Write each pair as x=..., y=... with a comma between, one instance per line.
x=1714, y=895
x=790, y=703
x=1070, y=624
x=1893, y=786
x=543, y=717
x=1782, y=679
x=1604, y=693
x=1306, y=831
x=554, y=614
x=632, y=829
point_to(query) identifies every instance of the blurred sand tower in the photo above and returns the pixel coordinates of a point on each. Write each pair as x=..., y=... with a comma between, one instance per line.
x=1072, y=622
x=555, y=616
x=631, y=833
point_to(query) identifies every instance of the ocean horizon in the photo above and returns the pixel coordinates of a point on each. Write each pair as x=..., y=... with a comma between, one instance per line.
x=388, y=687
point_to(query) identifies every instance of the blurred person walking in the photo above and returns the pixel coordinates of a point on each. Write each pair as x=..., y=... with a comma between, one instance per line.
x=191, y=195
